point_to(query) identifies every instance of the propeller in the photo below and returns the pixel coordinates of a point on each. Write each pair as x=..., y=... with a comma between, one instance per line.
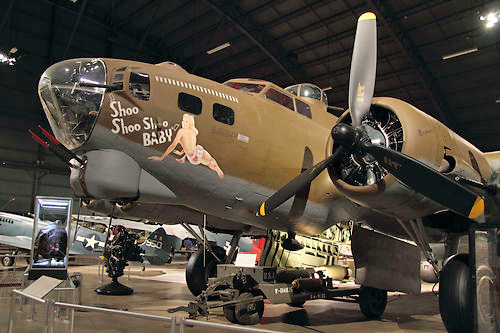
x=408, y=170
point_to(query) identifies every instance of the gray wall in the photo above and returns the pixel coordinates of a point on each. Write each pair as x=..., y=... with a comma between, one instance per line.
x=27, y=169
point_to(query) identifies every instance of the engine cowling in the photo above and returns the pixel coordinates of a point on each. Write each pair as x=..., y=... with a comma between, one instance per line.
x=402, y=127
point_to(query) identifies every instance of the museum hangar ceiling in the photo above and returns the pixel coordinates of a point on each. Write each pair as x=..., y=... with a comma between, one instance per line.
x=441, y=56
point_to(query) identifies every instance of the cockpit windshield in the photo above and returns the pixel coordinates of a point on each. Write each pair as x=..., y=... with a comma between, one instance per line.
x=310, y=91
x=293, y=89
x=71, y=97
x=246, y=87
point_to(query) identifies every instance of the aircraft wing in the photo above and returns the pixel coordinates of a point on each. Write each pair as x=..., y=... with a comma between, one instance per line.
x=21, y=242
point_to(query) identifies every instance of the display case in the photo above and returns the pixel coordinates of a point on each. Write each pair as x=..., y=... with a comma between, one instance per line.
x=484, y=242
x=50, y=241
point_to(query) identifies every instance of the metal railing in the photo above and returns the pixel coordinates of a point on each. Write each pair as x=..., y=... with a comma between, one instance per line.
x=185, y=322
x=50, y=306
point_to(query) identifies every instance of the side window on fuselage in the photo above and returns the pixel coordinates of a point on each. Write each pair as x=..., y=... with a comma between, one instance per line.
x=139, y=85
x=189, y=103
x=223, y=114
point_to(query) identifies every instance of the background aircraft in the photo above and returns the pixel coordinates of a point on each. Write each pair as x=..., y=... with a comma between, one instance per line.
x=16, y=231
x=155, y=142
x=166, y=240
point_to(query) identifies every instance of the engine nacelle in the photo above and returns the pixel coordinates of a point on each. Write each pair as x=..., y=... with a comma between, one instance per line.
x=402, y=127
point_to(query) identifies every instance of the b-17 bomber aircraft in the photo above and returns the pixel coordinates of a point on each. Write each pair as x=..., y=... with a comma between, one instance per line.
x=155, y=142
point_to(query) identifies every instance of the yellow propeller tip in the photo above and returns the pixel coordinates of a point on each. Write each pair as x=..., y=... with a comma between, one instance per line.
x=367, y=16
x=477, y=209
x=263, y=209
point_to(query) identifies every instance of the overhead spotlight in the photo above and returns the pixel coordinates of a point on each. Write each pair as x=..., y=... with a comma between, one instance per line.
x=491, y=19
x=9, y=58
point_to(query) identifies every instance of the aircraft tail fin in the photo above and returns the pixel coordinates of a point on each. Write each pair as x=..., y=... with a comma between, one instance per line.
x=159, y=247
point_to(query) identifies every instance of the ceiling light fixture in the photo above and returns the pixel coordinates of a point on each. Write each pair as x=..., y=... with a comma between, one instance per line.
x=218, y=48
x=498, y=100
x=10, y=57
x=491, y=19
x=458, y=54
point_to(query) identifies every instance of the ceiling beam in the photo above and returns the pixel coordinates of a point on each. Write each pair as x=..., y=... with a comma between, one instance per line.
x=429, y=83
x=259, y=37
x=75, y=27
x=136, y=13
x=154, y=51
x=150, y=26
x=6, y=15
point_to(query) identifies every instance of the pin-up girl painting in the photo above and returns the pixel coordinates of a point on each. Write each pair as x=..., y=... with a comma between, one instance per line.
x=186, y=137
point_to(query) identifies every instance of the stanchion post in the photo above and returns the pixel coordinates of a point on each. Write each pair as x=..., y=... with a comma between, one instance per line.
x=32, y=310
x=58, y=299
x=80, y=286
x=71, y=320
x=182, y=324
x=173, y=323
x=11, y=312
x=50, y=315
x=45, y=324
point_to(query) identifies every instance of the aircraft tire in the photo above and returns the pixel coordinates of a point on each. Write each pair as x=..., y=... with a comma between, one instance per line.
x=455, y=297
x=7, y=261
x=248, y=313
x=229, y=314
x=372, y=302
x=297, y=304
x=197, y=275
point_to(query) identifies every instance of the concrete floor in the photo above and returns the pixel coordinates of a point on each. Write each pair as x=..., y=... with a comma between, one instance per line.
x=162, y=287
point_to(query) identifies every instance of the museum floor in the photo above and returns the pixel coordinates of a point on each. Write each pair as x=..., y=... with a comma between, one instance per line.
x=162, y=287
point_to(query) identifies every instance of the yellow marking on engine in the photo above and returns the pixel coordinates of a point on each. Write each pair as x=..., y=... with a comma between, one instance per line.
x=263, y=209
x=477, y=209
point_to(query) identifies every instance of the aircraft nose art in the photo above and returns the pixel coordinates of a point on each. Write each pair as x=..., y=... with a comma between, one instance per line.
x=69, y=100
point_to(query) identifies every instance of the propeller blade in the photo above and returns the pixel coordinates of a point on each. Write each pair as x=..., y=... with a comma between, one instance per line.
x=296, y=184
x=363, y=68
x=427, y=181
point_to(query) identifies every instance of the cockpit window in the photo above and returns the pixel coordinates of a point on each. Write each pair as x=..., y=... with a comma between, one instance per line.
x=247, y=87
x=293, y=89
x=325, y=98
x=303, y=108
x=310, y=92
x=139, y=85
x=280, y=98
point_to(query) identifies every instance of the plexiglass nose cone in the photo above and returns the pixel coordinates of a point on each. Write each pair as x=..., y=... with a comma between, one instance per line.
x=72, y=109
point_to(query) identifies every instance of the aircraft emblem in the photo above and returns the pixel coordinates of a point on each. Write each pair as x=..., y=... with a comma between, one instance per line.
x=90, y=244
x=361, y=93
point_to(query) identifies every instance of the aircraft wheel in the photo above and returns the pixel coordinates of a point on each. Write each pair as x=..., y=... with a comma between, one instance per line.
x=297, y=304
x=248, y=313
x=455, y=297
x=230, y=314
x=197, y=275
x=7, y=261
x=372, y=302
